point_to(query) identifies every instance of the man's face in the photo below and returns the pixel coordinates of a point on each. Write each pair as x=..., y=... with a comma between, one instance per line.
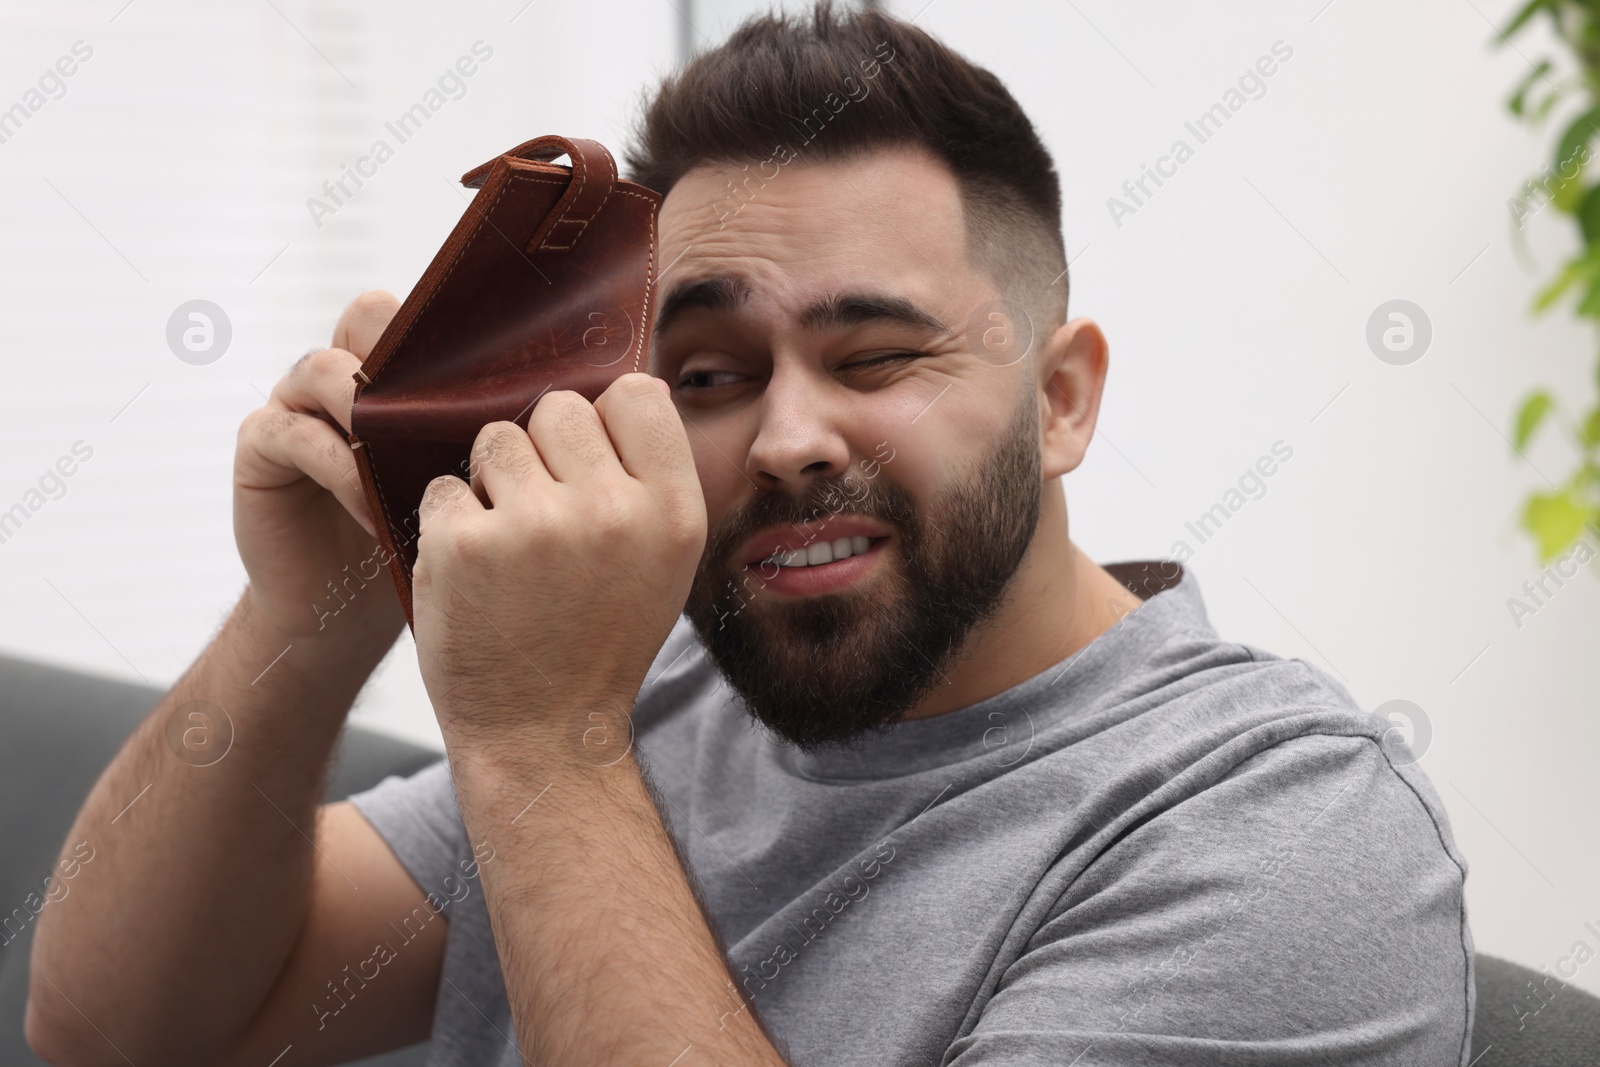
x=848, y=396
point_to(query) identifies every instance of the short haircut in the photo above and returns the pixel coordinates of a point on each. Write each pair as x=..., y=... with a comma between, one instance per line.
x=839, y=84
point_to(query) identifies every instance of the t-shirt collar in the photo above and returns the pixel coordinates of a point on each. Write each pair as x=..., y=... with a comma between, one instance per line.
x=1000, y=726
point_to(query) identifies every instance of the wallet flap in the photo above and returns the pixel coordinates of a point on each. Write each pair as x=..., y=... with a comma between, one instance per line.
x=546, y=282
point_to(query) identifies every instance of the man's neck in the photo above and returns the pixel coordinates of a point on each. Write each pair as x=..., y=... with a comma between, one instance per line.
x=1058, y=601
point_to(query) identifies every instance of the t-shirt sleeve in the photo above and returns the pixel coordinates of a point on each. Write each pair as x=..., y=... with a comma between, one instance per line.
x=418, y=818
x=1305, y=908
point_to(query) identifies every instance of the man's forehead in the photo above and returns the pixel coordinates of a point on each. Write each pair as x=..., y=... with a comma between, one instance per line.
x=885, y=219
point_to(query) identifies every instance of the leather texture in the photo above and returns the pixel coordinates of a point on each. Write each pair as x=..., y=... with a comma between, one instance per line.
x=547, y=282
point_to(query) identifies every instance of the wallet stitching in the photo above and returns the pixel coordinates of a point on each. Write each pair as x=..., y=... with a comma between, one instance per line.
x=546, y=246
x=615, y=177
x=566, y=216
x=612, y=167
x=649, y=277
x=580, y=170
x=650, y=262
x=544, y=243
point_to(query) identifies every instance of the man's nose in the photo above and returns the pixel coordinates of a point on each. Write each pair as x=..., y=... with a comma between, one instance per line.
x=799, y=438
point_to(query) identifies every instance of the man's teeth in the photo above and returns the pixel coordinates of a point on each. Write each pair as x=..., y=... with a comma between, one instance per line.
x=823, y=552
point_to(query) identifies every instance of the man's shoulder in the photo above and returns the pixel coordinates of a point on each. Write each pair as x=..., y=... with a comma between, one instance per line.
x=1199, y=691
x=1204, y=719
x=1244, y=811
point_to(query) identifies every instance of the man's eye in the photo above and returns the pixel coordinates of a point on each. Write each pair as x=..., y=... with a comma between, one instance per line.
x=706, y=379
x=879, y=361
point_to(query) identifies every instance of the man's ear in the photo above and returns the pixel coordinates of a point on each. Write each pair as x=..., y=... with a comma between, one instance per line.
x=1072, y=374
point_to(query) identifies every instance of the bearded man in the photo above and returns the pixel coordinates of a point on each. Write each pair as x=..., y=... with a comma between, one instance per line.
x=785, y=724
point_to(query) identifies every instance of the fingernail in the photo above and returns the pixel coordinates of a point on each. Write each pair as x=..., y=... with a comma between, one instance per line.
x=665, y=388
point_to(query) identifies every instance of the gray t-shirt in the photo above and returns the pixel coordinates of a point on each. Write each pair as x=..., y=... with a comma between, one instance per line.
x=1167, y=849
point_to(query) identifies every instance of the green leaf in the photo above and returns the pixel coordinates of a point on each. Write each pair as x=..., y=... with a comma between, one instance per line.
x=1555, y=520
x=1520, y=19
x=1589, y=215
x=1534, y=409
x=1571, y=271
x=1568, y=193
x=1571, y=154
x=1519, y=98
x=1590, y=435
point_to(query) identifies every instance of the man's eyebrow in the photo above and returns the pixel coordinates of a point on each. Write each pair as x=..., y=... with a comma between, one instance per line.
x=713, y=294
x=843, y=310
x=838, y=311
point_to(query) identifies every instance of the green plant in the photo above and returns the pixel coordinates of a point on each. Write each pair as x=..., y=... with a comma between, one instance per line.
x=1557, y=518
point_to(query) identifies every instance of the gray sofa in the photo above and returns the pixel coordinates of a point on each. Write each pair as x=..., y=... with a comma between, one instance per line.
x=61, y=728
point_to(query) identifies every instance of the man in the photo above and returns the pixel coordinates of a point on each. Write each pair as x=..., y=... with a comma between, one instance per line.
x=785, y=723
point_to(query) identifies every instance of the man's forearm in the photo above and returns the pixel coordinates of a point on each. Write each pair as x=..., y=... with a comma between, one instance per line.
x=606, y=954
x=167, y=940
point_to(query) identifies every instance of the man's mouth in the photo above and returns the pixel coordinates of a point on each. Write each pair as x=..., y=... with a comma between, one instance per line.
x=821, y=552
x=812, y=544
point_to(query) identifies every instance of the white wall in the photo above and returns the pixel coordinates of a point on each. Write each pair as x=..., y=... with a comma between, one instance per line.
x=190, y=142
x=1376, y=166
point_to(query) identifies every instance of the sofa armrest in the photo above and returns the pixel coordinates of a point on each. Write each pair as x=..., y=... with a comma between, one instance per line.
x=61, y=729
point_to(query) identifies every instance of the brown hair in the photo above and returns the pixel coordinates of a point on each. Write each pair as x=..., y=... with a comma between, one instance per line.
x=837, y=85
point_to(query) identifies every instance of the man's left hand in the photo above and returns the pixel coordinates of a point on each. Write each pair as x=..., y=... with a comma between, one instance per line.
x=544, y=588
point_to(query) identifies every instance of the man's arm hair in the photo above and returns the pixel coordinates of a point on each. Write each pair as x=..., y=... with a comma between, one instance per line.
x=206, y=892
x=364, y=974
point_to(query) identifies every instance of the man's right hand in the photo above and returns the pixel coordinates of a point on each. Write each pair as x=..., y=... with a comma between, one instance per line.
x=299, y=513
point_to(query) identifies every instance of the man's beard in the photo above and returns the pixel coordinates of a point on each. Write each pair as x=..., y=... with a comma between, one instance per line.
x=829, y=668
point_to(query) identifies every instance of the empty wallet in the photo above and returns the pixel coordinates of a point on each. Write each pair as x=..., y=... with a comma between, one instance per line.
x=546, y=282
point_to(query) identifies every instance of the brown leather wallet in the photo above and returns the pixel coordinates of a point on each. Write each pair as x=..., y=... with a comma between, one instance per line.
x=546, y=282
